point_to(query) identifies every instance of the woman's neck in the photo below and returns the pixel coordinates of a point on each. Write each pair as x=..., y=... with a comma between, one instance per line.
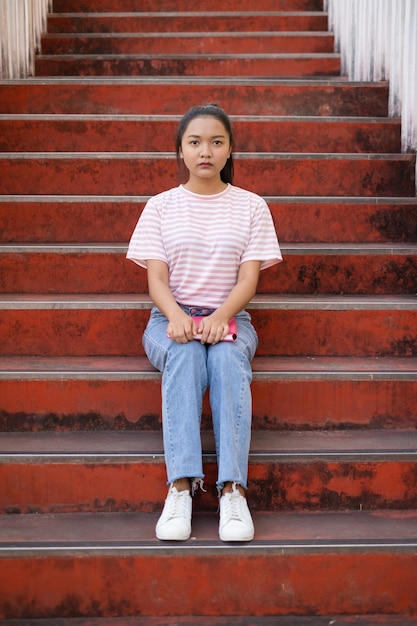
x=205, y=188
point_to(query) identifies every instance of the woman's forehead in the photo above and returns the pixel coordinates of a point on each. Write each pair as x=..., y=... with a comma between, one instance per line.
x=206, y=125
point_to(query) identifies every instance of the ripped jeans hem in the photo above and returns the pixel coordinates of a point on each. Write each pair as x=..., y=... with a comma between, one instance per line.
x=195, y=484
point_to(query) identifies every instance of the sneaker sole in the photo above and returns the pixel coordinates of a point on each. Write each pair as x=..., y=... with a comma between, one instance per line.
x=240, y=539
x=172, y=538
x=163, y=537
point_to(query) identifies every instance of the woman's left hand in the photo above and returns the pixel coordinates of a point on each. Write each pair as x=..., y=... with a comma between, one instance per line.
x=213, y=329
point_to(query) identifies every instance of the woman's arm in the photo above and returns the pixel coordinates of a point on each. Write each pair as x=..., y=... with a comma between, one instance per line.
x=214, y=327
x=181, y=327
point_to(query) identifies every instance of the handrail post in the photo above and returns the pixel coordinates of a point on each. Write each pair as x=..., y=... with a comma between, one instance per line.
x=377, y=40
x=21, y=25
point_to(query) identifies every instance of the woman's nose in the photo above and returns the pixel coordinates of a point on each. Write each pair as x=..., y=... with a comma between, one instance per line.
x=205, y=150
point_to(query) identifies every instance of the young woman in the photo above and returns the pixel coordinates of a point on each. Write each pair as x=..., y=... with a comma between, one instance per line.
x=203, y=244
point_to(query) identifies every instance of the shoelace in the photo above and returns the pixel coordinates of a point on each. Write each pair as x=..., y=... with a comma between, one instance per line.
x=233, y=506
x=177, y=504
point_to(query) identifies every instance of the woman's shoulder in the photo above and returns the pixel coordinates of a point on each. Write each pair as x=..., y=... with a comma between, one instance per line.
x=161, y=202
x=251, y=196
x=166, y=195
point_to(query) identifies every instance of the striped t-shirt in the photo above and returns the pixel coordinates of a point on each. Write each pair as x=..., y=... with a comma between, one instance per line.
x=204, y=239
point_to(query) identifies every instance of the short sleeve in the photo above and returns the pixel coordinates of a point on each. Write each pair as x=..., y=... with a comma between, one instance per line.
x=263, y=241
x=146, y=241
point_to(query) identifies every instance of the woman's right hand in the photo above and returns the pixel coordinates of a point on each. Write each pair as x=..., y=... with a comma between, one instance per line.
x=182, y=328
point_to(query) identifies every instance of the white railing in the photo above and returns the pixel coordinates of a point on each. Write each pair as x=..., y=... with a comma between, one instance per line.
x=21, y=25
x=377, y=40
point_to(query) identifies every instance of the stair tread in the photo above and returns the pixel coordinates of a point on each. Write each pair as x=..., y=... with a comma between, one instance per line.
x=376, y=531
x=92, y=83
x=268, y=41
x=260, y=301
x=125, y=446
x=106, y=117
x=183, y=55
x=357, y=200
x=287, y=248
x=357, y=368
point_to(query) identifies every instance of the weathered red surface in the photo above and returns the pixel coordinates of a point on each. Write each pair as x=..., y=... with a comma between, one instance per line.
x=104, y=219
x=118, y=331
x=65, y=403
x=45, y=486
x=230, y=65
x=311, y=620
x=301, y=273
x=203, y=43
x=74, y=6
x=329, y=403
x=270, y=174
x=174, y=97
x=145, y=585
x=80, y=405
x=198, y=22
x=276, y=134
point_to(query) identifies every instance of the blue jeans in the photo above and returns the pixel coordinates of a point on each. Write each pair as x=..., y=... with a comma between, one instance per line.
x=188, y=369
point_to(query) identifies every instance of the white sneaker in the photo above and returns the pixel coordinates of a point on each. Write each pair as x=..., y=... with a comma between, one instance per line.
x=175, y=521
x=235, y=519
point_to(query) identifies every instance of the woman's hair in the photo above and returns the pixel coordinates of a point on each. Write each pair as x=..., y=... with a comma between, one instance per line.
x=209, y=110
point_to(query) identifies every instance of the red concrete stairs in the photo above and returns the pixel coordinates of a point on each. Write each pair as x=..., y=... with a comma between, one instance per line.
x=333, y=464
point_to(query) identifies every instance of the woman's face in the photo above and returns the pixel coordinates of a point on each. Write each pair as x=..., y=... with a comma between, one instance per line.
x=205, y=147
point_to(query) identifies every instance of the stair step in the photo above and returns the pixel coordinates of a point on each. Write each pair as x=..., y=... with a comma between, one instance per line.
x=268, y=173
x=302, y=532
x=192, y=21
x=47, y=559
x=100, y=6
x=75, y=219
x=94, y=325
x=75, y=133
x=49, y=472
x=271, y=65
x=173, y=96
x=122, y=393
x=187, y=43
x=379, y=269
